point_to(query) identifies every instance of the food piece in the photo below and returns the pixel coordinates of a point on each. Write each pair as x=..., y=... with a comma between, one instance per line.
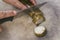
x=40, y=31
x=37, y=19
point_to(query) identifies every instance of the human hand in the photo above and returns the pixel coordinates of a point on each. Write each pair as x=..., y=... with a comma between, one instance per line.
x=18, y=4
x=5, y=14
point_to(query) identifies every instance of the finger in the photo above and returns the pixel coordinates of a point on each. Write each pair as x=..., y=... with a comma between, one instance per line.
x=16, y=3
x=33, y=1
x=4, y=14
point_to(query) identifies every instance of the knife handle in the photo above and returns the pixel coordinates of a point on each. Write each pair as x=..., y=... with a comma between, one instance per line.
x=26, y=2
x=6, y=19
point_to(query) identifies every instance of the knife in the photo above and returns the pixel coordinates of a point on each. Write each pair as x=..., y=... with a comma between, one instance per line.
x=24, y=11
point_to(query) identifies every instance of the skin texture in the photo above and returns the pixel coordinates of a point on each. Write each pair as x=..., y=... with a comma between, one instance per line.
x=4, y=14
x=16, y=3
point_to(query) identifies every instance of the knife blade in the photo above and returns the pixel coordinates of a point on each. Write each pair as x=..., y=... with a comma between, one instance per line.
x=26, y=11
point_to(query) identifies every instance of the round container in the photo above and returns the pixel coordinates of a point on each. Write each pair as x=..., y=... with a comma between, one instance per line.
x=40, y=31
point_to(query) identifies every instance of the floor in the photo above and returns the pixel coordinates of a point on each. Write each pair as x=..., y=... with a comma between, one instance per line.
x=22, y=28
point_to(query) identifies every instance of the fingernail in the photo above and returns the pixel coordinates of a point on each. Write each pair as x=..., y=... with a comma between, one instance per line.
x=14, y=12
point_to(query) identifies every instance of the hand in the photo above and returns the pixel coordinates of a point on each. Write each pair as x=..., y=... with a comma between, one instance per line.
x=4, y=14
x=18, y=4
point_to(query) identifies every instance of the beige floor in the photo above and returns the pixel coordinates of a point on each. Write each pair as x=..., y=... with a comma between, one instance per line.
x=22, y=28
